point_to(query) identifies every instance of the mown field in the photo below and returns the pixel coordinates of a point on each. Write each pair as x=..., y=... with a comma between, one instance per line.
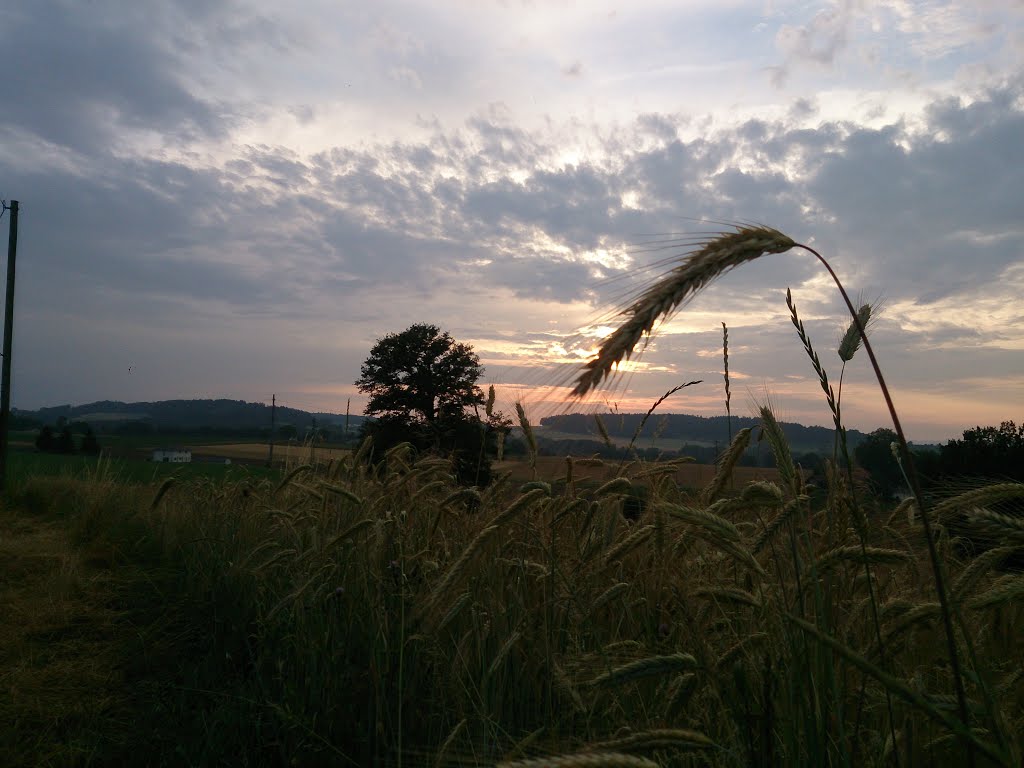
x=346, y=614
x=282, y=452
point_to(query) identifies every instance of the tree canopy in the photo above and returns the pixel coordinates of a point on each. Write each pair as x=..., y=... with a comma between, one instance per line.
x=420, y=375
x=421, y=383
x=875, y=455
x=994, y=452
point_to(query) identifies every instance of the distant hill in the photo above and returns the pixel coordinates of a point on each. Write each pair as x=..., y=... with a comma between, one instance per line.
x=698, y=430
x=187, y=414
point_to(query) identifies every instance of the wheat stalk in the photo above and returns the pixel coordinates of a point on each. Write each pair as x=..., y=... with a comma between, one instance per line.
x=648, y=667
x=716, y=257
x=657, y=738
x=851, y=340
x=501, y=655
x=772, y=431
x=995, y=524
x=833, y=404
x=447, y=743
x=585, y=760
x=762, y=493
x=564, y=685
x=165, y=486
x=460, y=565
x=607, y=596
x=453, y=611
x=775, y=525
x=978, y=567
x=728, y=594
x=739, y=647
x=726, y=465
x=979, y=497
x=679, y=692
x=902, y=689
x=1003, y=591
x=531, y=439
x=728, y=394
x=647, y=415
x=700, y=518
x=629, y=543
x=523, y=502
x=603, y=430
x=860, y=554
x=617, y=485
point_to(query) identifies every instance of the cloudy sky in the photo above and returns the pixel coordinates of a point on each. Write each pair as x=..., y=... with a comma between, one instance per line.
x=234, y=198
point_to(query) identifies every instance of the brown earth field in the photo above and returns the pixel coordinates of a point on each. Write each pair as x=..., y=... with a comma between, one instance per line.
x=687, y=475
x=258, y=451
x=548, y=467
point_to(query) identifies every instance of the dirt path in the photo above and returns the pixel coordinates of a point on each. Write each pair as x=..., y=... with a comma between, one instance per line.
x=61, y=641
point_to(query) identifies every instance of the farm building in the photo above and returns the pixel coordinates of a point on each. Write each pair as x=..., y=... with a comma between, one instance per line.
x=175, y=455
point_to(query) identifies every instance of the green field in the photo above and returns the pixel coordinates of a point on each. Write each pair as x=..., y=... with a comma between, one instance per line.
x=25, y=464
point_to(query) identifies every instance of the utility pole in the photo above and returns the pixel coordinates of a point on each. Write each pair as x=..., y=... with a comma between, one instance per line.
x=5, y=373
x=273, y=414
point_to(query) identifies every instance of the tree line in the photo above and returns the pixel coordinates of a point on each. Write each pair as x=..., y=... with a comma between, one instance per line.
x=995, y=453
x=62, y=440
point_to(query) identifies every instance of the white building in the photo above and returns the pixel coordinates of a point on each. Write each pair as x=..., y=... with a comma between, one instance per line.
x=174, y=455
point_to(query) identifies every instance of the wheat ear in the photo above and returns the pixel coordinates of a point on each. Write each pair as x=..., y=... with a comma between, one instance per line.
x=850, y=342
x=531, y=440
x=658, y=738
x=584, y=760
x=714, y=258
x=726, y=464
x=652, y=666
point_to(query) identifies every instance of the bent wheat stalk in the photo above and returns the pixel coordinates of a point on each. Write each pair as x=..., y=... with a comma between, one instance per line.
x=711, y=260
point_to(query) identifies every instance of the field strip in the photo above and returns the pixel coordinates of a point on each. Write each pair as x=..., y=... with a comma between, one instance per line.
x=261, y=450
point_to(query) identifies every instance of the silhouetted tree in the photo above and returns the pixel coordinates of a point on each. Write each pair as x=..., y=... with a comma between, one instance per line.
x=812, y=462
x=420, y=375
x=421, y=383
x=993, y=452
x=45, y=440
x=65, y=442
x=90, y=445
x=874, y=454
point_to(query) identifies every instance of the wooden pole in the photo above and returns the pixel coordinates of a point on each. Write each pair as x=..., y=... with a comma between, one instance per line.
x=5, y=372
x=273, y=415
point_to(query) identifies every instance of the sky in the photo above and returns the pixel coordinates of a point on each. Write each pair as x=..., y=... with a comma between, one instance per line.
x=237, y=198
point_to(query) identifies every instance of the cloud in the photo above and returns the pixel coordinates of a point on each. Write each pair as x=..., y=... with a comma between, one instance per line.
x=84, y=78
x=573, y=70
x=166, y=215
x=821, y=39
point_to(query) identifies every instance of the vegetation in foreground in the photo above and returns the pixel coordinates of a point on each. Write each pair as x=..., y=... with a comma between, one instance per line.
x=363, y=615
